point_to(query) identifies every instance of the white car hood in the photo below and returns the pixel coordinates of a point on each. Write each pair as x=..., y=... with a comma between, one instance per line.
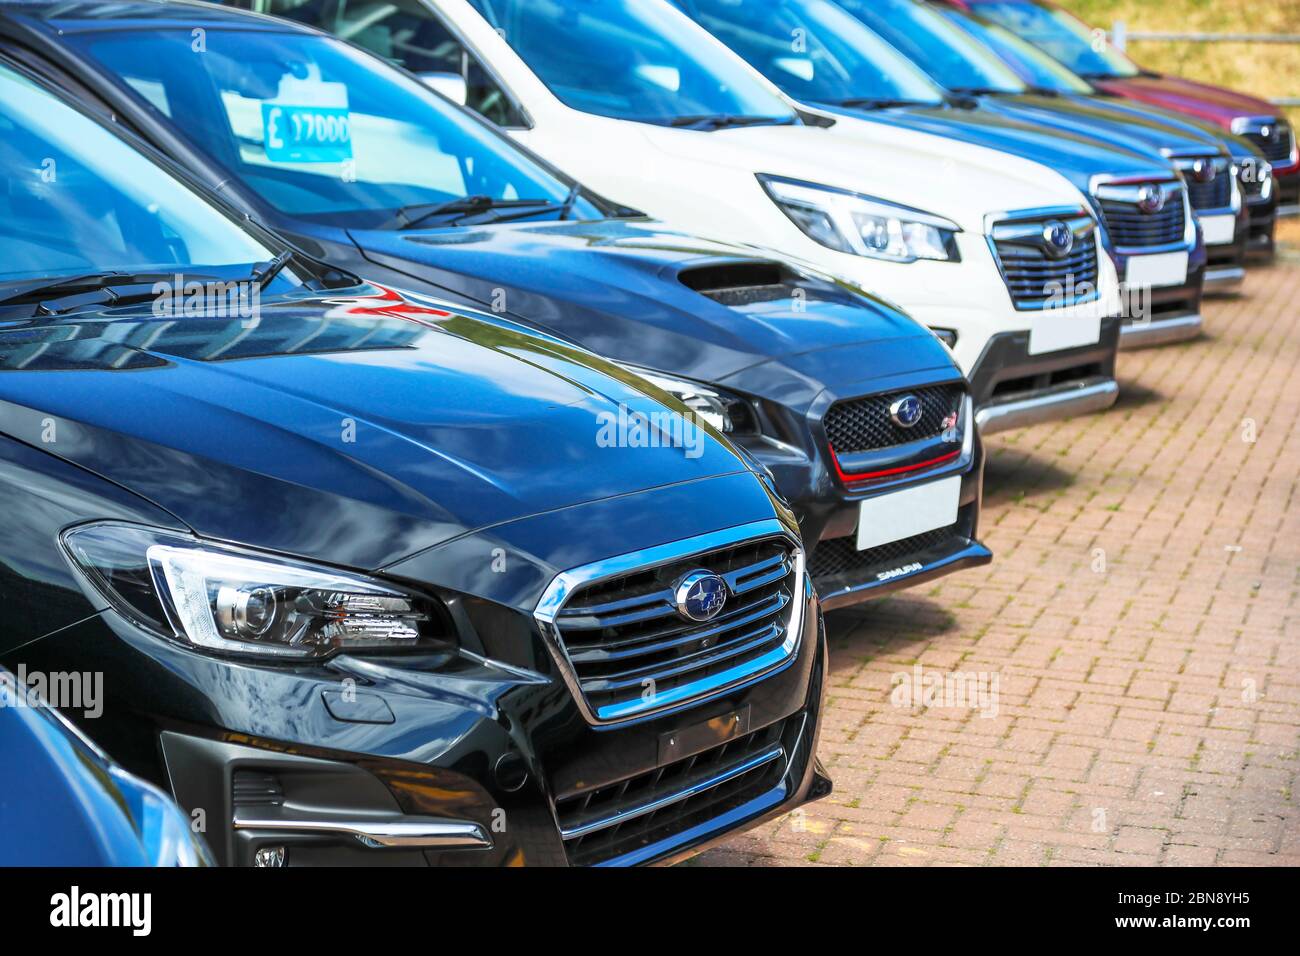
x=937, y=175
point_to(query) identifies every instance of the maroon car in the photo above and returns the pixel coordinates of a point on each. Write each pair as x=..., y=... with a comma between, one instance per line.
x=1076, y=45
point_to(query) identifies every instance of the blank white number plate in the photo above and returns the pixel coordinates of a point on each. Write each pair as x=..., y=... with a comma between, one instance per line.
x=902, y=514
x=1164, y=268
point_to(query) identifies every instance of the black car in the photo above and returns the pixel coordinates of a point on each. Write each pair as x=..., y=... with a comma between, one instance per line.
x=803, y=372
x=370, y=578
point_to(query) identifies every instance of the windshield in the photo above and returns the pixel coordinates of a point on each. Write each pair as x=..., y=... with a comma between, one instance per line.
x=953, y=58
x=814, y=51
x=1031, y=64
x=75, y=199
x=319, y=130
x=637, y=60
x=1084, y=50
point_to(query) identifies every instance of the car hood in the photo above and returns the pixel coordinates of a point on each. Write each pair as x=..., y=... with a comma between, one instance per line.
x=1071, y=152
x=635, y=292
x=1097, y=121
x=1122, y=109
x=1188, y=96
x=881, y=161
x=358, y=427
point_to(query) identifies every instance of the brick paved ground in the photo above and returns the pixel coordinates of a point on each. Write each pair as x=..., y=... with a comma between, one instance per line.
x=1142, y=619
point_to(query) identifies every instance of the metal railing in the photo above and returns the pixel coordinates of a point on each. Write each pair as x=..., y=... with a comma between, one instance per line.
x=1121, y=35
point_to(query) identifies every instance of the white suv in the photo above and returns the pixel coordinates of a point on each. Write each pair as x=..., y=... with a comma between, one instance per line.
x=997, y=254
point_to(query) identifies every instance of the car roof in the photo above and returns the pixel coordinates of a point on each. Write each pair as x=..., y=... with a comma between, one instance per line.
x=82, y=17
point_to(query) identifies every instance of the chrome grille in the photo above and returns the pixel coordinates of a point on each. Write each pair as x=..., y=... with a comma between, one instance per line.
x=1039, y=275
x=1132, y=227
x=1214, y=194
x=627, y=652
x=1275, y=147
x=863, y=424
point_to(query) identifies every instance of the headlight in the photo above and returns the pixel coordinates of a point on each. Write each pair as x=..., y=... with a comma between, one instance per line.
x=848, y=222
x=244, y=602
x=726, y=413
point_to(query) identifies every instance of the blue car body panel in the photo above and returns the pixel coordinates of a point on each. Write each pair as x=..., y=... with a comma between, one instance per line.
x=64, y=803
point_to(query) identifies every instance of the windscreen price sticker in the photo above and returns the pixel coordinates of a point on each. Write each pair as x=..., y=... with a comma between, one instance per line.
x=306, y=134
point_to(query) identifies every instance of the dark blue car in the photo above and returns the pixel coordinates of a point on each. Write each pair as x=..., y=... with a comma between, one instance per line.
x=798, y=369
x=850, y=66
x=63, y=802
x=960, y=62
x=371, y=578
x=1046, y=77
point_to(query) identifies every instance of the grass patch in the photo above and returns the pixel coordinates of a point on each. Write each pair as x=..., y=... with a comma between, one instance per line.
x=1269, y=70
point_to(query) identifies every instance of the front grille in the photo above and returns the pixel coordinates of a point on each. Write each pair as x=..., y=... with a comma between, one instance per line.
x=630, y=652
x=1216, y=194
x=1131, y=227
x=863, y=424
x=611, y=821
x=1033, y=278
x=836, y=556
x=1276, y=148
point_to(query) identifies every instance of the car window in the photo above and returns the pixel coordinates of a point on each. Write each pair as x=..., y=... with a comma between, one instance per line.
x=75, y=198
x=813, y=50
x=951, y=57
x=1085, y=51
x=638, y=60
x=408, y=34
x=318, y=129
x=1031, y=63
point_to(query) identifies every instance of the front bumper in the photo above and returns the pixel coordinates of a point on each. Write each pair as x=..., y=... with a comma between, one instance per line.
x=1225, y=263
x=1082, y=399
x=829, y=506
x=441, y=759
x=1263, y=227
x=1012, y=388
x=1166, y=315
x=850, y=576
x=1288, y=192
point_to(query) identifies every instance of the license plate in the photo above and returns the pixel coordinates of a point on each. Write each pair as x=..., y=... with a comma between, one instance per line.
x=1051, y=333
x=1165, y=268
x=1219, y=230
x=901, y=514
x=685, y=741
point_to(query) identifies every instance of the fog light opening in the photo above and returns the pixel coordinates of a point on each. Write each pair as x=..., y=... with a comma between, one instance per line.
x=272, y=856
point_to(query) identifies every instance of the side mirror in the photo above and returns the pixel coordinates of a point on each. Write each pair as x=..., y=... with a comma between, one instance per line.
x=450, y=85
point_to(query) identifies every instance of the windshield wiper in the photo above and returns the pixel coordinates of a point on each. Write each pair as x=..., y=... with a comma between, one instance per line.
x=876, y=103
x=539, y=207
x=88, y=282
x=711, y=121
x=983, y=91
x=264, y=272
x=410, y=216
x=566, y=207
